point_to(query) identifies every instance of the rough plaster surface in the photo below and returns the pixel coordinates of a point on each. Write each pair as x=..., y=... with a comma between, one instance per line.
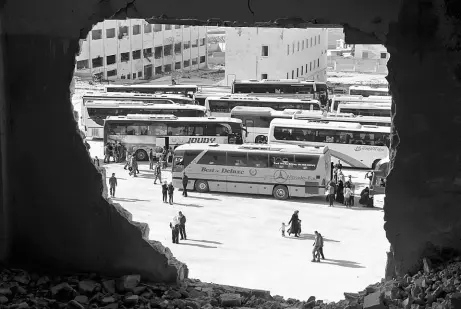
x=59, y=217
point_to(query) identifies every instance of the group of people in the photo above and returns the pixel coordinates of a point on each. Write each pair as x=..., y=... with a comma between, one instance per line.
x=116, y=151
x=295, y=228
x=339, y=189
x=162, y=158
x=178, y=227
x=131, y=164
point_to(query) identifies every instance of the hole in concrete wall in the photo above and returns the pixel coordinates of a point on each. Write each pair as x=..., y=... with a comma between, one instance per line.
x=238, y=234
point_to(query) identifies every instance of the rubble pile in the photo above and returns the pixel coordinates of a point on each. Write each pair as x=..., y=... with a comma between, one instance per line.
x=436, y=288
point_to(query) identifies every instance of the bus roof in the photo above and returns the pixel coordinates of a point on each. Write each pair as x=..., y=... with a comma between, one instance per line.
x=112, y=104
x=366, y=105
x=131, y=95
x=151, y=86
x=277, y=81
x=165, y=117
x=237, y=97
x=270, y=112
x=295, y=149
x=356, y=87
x=359, y=98
x=333, y=125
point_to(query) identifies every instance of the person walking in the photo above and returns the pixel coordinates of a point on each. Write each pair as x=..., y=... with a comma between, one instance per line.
x=331, y=188
x=347, y=195
x=294, y=221
x=174, y=226
x=283, y=229
x=182, y=226
x=321, y=246
x=165, y=192
x=96, y=161
x=158, y=173
x=128, y=160
x=185, y=181
x=134, y=166
x=315, y=251
x=112, y=184
x=106, y=153
x=151, y=159
x=170, y=193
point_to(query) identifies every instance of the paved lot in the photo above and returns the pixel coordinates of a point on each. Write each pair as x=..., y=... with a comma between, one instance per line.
x=235, y=239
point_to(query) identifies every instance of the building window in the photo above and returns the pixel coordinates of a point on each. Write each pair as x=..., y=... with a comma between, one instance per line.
x=265, y=51
x=122, y=32
x=97, y=62
x=318, y=62
x=136, y=29
x=306, y=67
x=186, y=26
x=292, y=74
x=365, y=55
x=383, y=55
x=298, y=45
x=303, y=44
x=310, y=66
x=202, y=42
x=134, y=75
x=264, y=76
x=124, y=57
x=177, y=65
x=111, y=73
x=287, y=75
x=315, y=40
x=177, y=48
x=128, y=76
x=195, y=43
x=147, y=28
x=167, y=27
x=186, y=63
x=110, y=59
x=302, y=72
x=311, y=42
x=139, y=73
x=158, y=51
x=187, y=45
x=157, y=28
x=158, y=70
x=96, y=35
x=307, y=43
x=297, y=72
x=293, y=49
x=288, y=49
x=137, y=54
x=147, y=52
x=122, y=77
x=202, y=59
x=318, y=39
x=177, y=26
x=82, y=64
x=167, y=50
x=194, y=61
x=110, y=33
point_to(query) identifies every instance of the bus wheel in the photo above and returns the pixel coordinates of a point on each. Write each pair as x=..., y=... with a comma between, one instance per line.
x=373, y=166
x=201, y=186
x=280, y=192
x=141, y=155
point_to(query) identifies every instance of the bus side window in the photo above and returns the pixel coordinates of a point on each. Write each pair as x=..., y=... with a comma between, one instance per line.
x=249, y=123
x=259, y=160
x=213, y=158
x=237, y=159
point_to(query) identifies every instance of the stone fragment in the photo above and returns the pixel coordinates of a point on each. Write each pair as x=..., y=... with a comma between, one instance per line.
x=127, y=283
x=112, y=306
x=139, y=290
x=373, y=301
x=82, y=299
x=43, y=280
x=207, y=306
x=230, y=300
x=179, y=303
x=195, y=294
x=23, y=278
x=131, y=300
x=63, y=292
x=96, y=297
x=406, y=304
x=108, y=300
x=172, y=294
x=427, y=265
x=5, y=291
x=86, y=286
x=73, y=304
x=3, y=299
x=109, y=286
x=191, y=304
x=20, y=290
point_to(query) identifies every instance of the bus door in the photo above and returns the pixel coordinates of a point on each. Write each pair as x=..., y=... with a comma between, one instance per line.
x=378, y=182
x=250, y=133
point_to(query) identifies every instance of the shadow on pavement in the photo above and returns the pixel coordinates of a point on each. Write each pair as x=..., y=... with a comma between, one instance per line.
x=188, y=205
x=207, y=241
x=198, y=245
x=341, y=263
x=124, y=199
x=204, y=198
x=306, y=236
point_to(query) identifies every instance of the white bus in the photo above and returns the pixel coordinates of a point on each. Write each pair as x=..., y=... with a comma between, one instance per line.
x=185, y=90
x=141, y=97
x=281, y=171
x=366, y=109
x=222, y=106
x=94, y=112
x=368, y=91
x=139, y=133
x=292, y=88
x=355, y=99
x=358, y=146
x=257, y=120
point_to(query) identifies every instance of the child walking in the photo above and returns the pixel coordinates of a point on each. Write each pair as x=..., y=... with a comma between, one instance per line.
x=283, y=229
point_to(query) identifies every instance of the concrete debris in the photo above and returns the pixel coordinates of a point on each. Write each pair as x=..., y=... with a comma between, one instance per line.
x=127, y=283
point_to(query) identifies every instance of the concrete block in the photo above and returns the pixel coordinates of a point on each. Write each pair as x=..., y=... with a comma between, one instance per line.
x=373, y=301
x=230, y=300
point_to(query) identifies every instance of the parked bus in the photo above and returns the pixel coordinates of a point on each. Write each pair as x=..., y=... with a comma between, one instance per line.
x=355, y=99
x=368, y=91
x=222, y=106
x=141, y=97
x=257, y=119
x=94, y=112
x=292, y=88
x=185, y=90
x=366, y=109
x=139, y=133
x=358, y=146
x=378, y=182
x=281, y=171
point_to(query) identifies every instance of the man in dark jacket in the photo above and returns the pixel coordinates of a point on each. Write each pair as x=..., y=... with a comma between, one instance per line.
x=182, y=225
x=185, y=181
x=165, y=192
x=151, y=159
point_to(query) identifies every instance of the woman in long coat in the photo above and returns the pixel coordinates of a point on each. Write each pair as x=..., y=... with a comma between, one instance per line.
x=294, y=229
x=340, y=192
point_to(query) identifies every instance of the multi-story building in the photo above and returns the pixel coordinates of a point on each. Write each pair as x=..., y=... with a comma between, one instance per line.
x=135, y=49
x=272, y=53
